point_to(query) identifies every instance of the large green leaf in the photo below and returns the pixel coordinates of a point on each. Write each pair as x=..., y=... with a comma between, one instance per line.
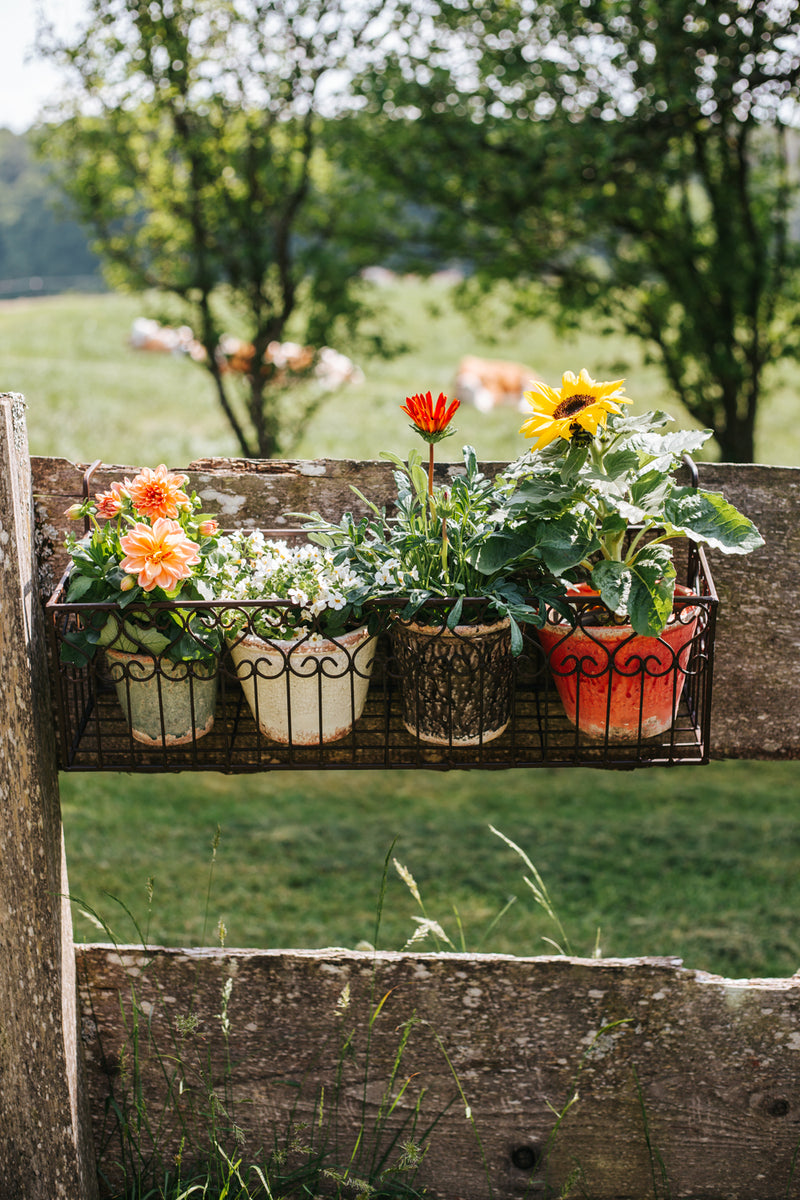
x=541, y=497
x=652, y=590
x=573, y=463
x=561, y=543
x=132, y=637
x=565, y=542
x=79, y=585
x=642, y=590
x=649, y=490
x=618, y=462
x=709, y=517
x=613, y=581
x=502, y=548
x=673, y=445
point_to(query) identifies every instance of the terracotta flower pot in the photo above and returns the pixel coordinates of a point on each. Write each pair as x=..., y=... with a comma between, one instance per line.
x=455, y=685
x=614, y=682
x=166, y=703
x=302, y=692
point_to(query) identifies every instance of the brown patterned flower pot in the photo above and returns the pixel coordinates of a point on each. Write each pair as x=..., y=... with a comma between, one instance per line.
x=455, y=685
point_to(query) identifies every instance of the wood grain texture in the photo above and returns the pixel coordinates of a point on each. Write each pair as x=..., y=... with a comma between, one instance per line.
x=45, y=1150
x=757, y=680
x=717, y=1061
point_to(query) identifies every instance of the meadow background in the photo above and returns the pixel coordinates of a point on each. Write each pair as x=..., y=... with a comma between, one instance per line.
x=697, y=863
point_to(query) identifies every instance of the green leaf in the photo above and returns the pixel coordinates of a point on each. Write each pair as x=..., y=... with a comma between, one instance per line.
x=613, y=582
x=502, y=548
x=614, y=526
x=573, y=463
x=648, y=490
x=564, y=542
x=390, y=457
x=516, y=637
x=79, y=585
x=675, y=445
x=419, y=481
x=454, y=615
x=652, y=590
x=539, y=498
x=620, y=462
x=709, y=517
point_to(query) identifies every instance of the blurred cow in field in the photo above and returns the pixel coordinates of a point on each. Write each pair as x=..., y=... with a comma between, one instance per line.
x=489, y=382
x=281, y=359
x=284, y=359
x=147, y=334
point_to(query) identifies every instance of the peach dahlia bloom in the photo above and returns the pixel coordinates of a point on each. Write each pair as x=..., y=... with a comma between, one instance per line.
x=157, y=493
x=109, y=503
x=161, y=556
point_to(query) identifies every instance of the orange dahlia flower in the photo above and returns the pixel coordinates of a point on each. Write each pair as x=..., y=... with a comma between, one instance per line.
x=108, y=504
x=157, y=493
x=161, y=556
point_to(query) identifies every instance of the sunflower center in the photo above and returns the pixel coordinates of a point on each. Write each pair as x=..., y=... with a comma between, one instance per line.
x=572, y=406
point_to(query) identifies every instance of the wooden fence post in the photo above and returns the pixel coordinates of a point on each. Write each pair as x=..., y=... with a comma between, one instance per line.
x=46, y=1150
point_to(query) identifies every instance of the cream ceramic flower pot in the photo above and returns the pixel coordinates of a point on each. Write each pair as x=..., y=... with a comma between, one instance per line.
x=303, y=693
x=166, y=703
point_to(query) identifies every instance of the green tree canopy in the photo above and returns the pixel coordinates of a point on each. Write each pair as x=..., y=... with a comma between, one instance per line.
x=193, y=147
x=35, y=239
x=637, y=155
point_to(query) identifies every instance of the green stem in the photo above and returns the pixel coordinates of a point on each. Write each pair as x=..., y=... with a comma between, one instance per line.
x=633, y=548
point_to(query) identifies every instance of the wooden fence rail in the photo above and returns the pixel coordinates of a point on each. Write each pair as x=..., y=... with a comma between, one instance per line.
x=700, y=1072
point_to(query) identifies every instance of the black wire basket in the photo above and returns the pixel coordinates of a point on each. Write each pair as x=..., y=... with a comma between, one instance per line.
x=392, y=693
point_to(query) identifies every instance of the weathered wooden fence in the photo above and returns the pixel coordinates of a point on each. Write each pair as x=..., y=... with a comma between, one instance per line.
x=700, y=1072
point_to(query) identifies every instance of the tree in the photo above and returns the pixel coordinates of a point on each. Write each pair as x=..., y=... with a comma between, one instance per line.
x=636, y=155
x=33, y=240
x=193, y=147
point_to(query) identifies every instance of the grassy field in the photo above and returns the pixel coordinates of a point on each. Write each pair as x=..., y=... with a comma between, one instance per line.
x=701, y=864
x=91, y=396
x=698, y=863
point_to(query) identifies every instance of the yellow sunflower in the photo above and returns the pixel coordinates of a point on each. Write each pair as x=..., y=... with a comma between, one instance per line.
x=580, y=404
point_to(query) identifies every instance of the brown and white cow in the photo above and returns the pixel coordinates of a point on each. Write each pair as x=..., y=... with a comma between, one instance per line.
x=487, y=383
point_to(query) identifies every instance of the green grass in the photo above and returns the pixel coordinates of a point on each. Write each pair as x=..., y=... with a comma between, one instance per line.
x=91, y=396
x=701, y=864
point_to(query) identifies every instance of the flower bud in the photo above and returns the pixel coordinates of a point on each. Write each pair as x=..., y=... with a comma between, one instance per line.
x=208, y=528
x=74, y=512
x=127, y=583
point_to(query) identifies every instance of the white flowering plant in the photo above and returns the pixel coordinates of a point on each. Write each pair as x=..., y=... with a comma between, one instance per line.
x=315, y=597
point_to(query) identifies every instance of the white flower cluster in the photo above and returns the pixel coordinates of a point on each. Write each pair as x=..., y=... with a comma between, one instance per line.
x=248, y=566
x=393, y=575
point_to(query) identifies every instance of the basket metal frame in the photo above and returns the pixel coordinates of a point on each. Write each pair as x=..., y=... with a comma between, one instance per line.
x=93, y=735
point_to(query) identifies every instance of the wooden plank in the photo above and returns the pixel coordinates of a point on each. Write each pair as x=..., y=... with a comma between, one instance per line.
x=757, y=667
x=717, y=1060
x=45, y=1143
x=757, y=680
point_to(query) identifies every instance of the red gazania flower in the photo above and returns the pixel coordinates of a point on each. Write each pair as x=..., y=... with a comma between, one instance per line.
x=431, y=419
